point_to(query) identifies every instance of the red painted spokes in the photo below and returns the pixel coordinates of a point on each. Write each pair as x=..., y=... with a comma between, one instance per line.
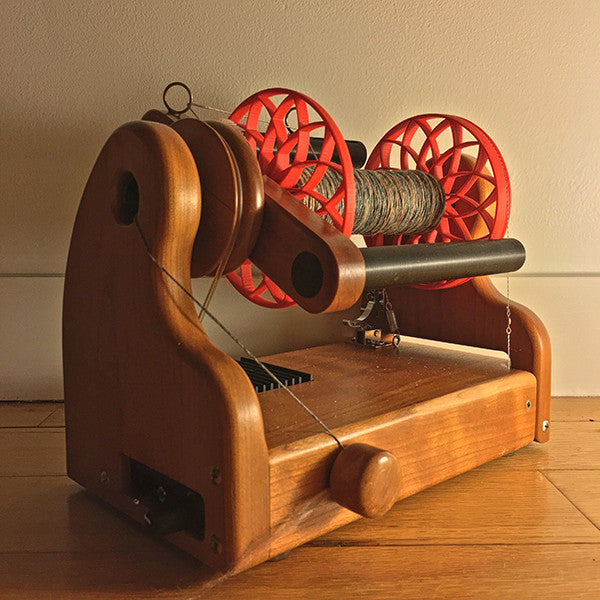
x=467, y=163
x=278, y=124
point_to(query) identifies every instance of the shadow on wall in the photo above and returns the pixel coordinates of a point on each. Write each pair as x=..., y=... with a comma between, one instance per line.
x=44, y=172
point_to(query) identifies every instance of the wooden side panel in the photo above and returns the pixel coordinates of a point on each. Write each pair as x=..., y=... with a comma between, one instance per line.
x=142, y=379
x=432, y=441
x=474, y=314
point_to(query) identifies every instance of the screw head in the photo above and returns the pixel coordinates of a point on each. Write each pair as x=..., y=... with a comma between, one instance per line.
x=104, y=478
x=545, y=425
x=161, y=494
x=215, y=475
x=215, y=545
x=528, y=404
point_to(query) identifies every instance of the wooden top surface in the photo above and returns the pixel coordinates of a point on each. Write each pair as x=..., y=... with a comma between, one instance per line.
x=354, y=382
x=524, y=526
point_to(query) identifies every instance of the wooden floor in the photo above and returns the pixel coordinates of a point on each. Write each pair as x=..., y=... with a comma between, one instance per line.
x=523, y=526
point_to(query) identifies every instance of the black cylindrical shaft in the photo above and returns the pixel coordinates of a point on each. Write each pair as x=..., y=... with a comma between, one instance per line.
x=358, y=152
x=424, y=263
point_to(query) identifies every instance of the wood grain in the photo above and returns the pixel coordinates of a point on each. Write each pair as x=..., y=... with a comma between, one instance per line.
x=252, y=192
x=54, y=514
x=365, y=480
x=353, y=383
x=571, y=408
x=25, y=451
x=221, y=194
x=479, y=507
x=288, y=229
x=564, y=408
x=574, y=445
x=144, y=384
x=474, y=314
x=432, y=441
x=555, y=571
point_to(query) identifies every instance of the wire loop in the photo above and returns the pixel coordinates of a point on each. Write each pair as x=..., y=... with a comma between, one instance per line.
x=170, y=109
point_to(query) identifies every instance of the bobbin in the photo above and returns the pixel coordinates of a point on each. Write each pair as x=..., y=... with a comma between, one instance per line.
x=390, y=201
x=227, y=236
x=477, y=189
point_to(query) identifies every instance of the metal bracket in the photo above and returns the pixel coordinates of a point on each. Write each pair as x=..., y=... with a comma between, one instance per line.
x=377, y=300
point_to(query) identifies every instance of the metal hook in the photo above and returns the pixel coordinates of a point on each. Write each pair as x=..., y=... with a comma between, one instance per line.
x=170, y=109
x=285, y=120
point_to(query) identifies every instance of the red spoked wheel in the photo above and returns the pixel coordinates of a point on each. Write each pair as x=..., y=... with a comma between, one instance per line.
x=470, y=168
x=278, y=123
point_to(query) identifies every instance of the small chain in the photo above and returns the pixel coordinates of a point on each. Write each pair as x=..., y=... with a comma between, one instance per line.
x=508, y=318
x=508, y=322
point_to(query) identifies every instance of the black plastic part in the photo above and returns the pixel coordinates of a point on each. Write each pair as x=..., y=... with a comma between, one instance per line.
x=425, y=263
x=263, y=382
x=171, y=506
x=358, y=152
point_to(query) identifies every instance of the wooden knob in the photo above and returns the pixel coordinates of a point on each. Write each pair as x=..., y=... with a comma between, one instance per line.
x=365, y=480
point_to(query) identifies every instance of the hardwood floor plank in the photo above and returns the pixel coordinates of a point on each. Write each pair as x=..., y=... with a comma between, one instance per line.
x=144, y=574
x=479, y=507
x=575, y=408
x=56, y=419
x=582, y=488
x=25, y=414
x=376, y=573
x=54, y=514
x=39, y=451
x=572, y=446
x=502, y=531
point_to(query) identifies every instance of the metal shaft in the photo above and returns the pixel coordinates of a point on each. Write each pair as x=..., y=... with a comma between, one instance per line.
x=424, y=263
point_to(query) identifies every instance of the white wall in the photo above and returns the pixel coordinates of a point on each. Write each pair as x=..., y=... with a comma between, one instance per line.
x=526, y=71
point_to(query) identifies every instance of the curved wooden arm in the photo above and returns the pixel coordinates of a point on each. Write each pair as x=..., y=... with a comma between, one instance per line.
x=474, y=314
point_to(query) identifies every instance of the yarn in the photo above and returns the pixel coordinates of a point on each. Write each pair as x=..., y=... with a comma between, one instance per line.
x=388, y=202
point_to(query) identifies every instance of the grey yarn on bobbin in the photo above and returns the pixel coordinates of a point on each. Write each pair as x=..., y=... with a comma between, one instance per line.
x=388, y=201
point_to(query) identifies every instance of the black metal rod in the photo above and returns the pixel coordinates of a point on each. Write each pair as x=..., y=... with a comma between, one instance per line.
x=358, y=152
x=424, y=263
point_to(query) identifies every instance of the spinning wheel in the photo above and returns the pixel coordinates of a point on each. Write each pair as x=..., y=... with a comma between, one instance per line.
x=179, y=439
